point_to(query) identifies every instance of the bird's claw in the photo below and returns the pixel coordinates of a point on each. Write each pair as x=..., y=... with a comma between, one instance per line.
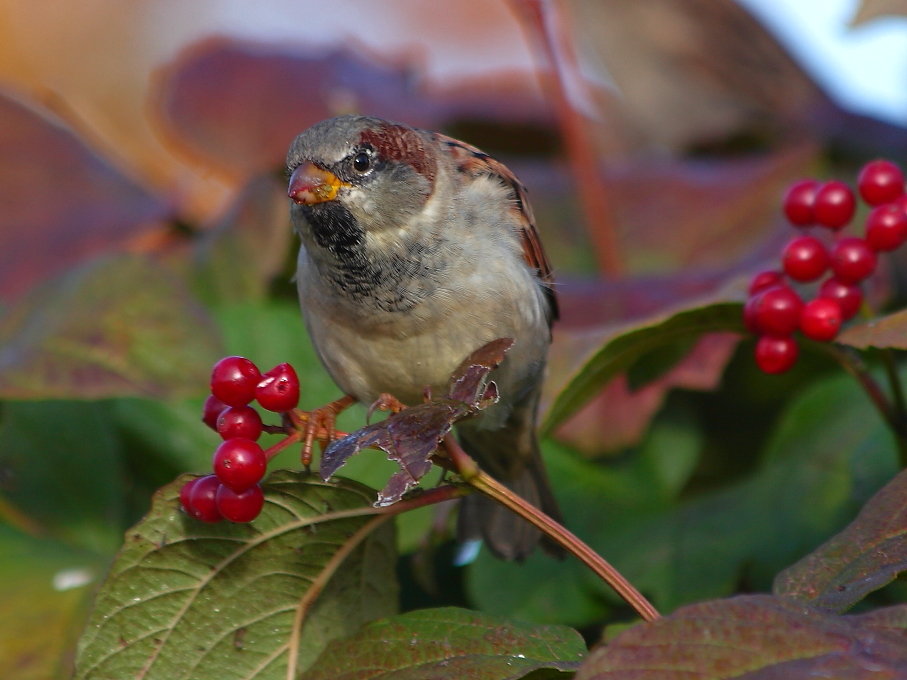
x=385, y=402
x=319, y=424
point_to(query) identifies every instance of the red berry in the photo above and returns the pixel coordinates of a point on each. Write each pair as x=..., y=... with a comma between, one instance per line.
x=239, y=422
x=278, y=389
x=886, y=227
x=202, y=504
x=212, y=408
x=880, y=182
x=233, y=380
x=805, y=258
x=835, y=204
x=239, y=463
x=776, y=311
x=848, y=296
x=749, y=314
x=185, y=490
x=821, y=319
x=799, y=201
x=765, y=279
x=776, y=354
x=852, y=260
x=243, y=506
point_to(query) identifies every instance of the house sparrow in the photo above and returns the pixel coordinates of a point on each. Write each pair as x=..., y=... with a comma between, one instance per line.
x=417, y=249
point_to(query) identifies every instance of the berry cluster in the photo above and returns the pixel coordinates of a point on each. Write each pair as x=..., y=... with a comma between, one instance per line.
x=775, y=311
x=233, y=491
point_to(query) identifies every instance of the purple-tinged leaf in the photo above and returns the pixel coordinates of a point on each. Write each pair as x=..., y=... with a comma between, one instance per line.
x=62, y=203
x=757, y=637
x=236, y=106
x=867, y=555
x=620, y=414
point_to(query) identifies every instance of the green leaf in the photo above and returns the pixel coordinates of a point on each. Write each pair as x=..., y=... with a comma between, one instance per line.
x=116, y=326
x=595, y=500
x=190, y=600
x=867, y=555
x=657, y=363
x=43, y=588
x=759, y=637
x=618, y=349
x=449, y=643
x=828, y=455
x=63, y=469
x=165, y=437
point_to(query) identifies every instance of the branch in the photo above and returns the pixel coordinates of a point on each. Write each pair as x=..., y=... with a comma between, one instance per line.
x=545, y=23
x=466, y=467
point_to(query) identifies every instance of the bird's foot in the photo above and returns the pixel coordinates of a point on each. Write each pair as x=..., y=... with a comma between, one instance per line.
x=385, y=402
x=319, y=424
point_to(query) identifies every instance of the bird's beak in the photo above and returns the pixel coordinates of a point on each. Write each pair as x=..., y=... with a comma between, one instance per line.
x=310, y=184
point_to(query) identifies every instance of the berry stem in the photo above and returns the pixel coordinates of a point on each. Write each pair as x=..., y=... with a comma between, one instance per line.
x=291, y=438
x=899, y=407
x=465, y=466
x=892, y=414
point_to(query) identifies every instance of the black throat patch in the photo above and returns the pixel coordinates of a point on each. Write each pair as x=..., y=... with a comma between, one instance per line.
x=392, y=284
x=334, y=228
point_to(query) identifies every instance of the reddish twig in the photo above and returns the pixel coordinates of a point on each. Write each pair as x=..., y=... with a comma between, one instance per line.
x=544, y=22
x=466, y=467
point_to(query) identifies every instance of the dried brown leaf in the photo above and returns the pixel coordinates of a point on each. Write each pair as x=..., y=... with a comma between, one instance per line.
x=411, y=436
x=868, y=10
x=887, y=331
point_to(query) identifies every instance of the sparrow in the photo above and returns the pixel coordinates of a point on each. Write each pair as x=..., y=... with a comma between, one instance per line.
x=416, y=250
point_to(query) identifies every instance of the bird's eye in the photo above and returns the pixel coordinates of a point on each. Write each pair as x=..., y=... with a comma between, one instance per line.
x=362, y=162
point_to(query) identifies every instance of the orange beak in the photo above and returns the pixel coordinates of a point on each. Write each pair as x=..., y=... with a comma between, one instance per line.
x=310, y=184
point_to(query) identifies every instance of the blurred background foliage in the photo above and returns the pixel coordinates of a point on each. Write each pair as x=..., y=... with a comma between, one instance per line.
x=144, y=234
